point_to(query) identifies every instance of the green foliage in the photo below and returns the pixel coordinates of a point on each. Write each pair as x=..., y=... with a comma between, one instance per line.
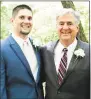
x=44, y=29
x=84, y=16
x=4, y=22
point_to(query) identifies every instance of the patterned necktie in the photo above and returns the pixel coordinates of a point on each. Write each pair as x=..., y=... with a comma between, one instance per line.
x=62, y=66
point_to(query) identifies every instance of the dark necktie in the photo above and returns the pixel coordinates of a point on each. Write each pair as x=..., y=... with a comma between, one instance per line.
x=62, y=66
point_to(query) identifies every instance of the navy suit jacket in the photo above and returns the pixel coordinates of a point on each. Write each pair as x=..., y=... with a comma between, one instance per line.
x=16, y=79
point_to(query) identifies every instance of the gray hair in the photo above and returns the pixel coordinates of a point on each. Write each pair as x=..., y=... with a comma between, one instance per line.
x=65, y=11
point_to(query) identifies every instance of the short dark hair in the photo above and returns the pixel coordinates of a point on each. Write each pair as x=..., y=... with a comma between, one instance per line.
x=19, y=7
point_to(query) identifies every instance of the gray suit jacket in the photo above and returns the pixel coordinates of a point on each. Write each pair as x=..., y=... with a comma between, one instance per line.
x=76, y=84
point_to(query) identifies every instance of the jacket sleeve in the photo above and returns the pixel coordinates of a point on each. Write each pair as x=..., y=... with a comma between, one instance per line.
x=3, y=94
x=42, y=65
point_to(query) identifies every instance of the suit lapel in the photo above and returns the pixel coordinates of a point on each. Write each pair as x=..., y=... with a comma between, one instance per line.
x=53, y=73
x=52, y=66
x=72, y=65
x=38, y=64
x=15, y=47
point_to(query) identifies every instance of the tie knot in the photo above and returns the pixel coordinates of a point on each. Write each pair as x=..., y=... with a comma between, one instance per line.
x=25, y=42
x=65, y=50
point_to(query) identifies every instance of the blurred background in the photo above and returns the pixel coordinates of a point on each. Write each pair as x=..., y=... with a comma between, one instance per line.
x=44, y=18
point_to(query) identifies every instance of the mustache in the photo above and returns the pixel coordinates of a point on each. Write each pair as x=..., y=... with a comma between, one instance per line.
x=65, y=31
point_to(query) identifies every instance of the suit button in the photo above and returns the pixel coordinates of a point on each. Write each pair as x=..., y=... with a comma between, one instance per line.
x=58, y=92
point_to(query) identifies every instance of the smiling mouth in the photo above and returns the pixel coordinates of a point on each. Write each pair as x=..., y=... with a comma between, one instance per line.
x=25, y=27
x=65, y=33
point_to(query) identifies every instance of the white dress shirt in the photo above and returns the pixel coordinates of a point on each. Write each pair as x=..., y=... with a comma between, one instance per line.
x=29, y=54
x=58, y=53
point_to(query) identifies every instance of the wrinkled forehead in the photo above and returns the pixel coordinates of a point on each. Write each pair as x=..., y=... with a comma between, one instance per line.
x=66, y=18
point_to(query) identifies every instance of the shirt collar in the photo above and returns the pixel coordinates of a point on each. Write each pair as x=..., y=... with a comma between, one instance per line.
x=70, y=48
x=19, y=40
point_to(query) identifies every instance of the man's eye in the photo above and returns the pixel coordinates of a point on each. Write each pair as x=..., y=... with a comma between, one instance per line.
x=61, y=23
x=30, y=18
x=70, y=23
x=22, y=17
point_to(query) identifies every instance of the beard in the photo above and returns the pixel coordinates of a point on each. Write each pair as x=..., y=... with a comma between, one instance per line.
x=25, y=29
x=25, y=32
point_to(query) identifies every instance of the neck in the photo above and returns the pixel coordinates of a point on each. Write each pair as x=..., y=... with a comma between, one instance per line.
x=66, y=43
x=22, y=36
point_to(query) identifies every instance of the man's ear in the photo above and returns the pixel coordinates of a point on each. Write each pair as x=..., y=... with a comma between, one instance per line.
x=78, y=27
x=78, y=31
x=11, y=20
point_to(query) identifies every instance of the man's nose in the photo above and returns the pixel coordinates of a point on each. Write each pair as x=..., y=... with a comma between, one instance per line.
x=26, y=20
x=65, y=26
